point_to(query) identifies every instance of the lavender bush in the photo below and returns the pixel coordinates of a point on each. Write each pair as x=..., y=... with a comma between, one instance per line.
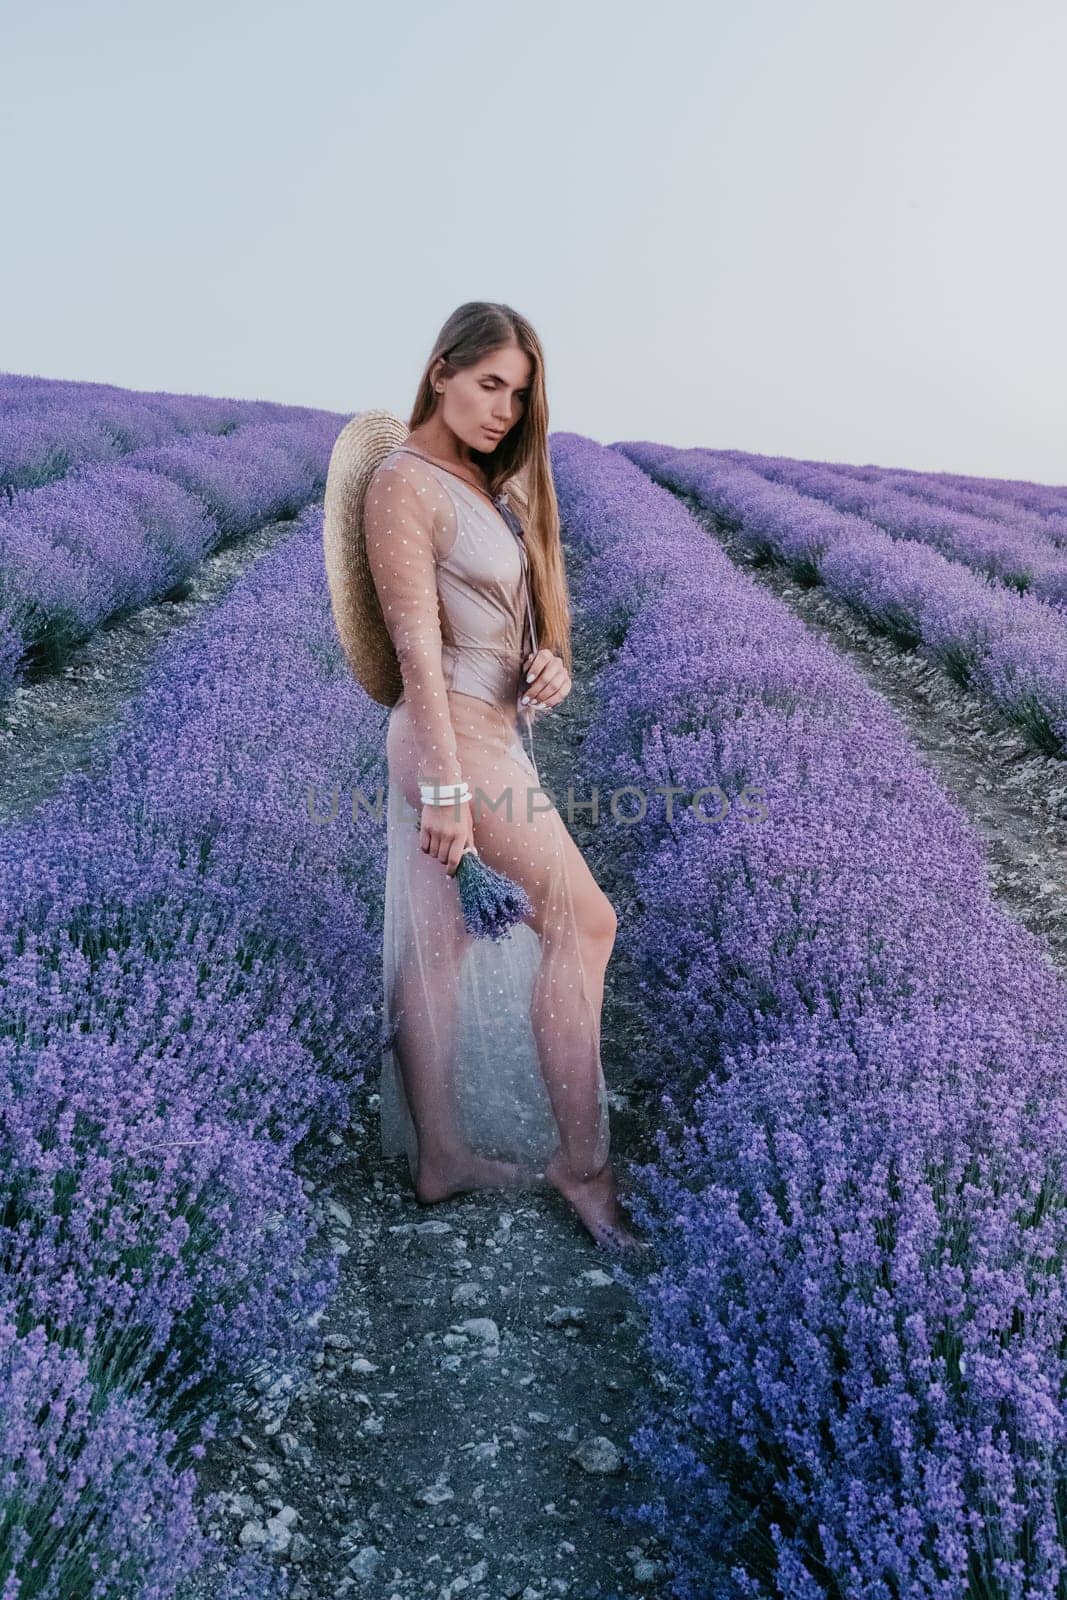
x=11, y=650
x=1009, y=648
x=1020, y=550
x=1050, y=525
x=1048, y=501
x=187, y=999
x=90, y=547
x=261, y=471
x=858, y=1202
x=49, y=426
x=108, y=538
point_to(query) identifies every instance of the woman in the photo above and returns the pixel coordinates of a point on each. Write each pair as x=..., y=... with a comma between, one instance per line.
x=491, y=1073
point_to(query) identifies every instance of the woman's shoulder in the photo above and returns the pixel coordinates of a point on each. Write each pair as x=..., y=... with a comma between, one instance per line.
x=398, y=457
x=405, y=466
x=407, y=484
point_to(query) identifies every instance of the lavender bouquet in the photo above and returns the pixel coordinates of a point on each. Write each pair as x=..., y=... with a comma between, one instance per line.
x=492, y=902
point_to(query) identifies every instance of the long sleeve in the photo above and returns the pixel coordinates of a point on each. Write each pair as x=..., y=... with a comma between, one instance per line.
x=398, y=520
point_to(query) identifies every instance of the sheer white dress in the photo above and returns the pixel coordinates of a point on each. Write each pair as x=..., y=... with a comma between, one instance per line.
x=488, y=1046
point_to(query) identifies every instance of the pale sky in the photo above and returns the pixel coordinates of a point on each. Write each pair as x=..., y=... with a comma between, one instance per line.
x=826, y=228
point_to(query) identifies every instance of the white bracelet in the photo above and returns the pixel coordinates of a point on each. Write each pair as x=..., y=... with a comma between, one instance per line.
x=435, y=794
x=462, y=787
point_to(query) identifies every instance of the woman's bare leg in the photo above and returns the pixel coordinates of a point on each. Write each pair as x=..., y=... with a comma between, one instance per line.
x=577, y=925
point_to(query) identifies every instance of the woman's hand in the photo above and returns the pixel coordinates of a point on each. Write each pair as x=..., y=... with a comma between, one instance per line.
x=446, y=831
x=551, y=681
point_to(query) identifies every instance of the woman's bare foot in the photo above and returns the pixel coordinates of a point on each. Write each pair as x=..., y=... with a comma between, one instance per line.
x=437, y=1179
x=596, y=1202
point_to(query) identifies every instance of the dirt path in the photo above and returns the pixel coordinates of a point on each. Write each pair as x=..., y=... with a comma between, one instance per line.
x=49, y=727
x=466, y=1430
x=1016, y=798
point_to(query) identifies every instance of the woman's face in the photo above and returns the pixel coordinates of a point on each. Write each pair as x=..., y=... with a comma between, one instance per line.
x=484, y=402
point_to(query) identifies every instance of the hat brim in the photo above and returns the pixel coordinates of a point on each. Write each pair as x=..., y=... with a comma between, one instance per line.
x=361, y=445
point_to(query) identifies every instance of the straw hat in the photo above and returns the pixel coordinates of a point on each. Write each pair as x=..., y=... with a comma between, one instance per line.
x=362, y=443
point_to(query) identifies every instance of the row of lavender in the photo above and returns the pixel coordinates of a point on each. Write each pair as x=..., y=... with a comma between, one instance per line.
x=1017, y=547
x=48, y=426
x=1048, y=501
x=186, y=1006
x=1032, y=508
x=110, y=537
x=858, y=1207
x=1011, y=649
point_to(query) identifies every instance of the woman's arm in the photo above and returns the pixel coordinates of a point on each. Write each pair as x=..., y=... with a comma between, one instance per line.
x=398, y=521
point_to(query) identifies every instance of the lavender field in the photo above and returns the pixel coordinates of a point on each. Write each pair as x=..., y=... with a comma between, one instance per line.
x=858, y=1196
x=110, y=499
x=842, y=1048
x=1008, y=646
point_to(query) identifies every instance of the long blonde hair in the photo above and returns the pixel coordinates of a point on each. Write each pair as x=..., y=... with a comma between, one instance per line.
x=520, y=463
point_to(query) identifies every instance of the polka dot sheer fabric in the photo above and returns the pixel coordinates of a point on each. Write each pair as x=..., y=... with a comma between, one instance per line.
x=490, y=1047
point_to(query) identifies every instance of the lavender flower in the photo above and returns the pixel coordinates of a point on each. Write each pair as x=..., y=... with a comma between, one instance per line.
x=492, y=902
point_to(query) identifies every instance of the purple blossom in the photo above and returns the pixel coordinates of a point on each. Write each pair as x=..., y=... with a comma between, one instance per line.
x=968, y=623
x=857, y=1312
x=188, y=1000
x=120, y=501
